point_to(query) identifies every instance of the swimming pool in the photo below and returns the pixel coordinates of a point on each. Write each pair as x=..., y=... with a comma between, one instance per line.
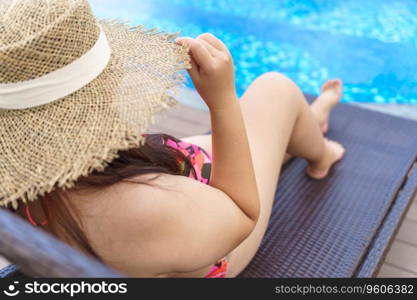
x=371, y=45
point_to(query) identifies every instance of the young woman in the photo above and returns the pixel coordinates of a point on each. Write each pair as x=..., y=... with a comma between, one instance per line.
x=196, y=207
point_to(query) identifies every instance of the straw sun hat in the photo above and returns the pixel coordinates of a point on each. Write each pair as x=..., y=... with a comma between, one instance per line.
x=74, y=91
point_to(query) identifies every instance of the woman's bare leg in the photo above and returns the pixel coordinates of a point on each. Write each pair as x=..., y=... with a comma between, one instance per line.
x=331, y=94
x=277, y=118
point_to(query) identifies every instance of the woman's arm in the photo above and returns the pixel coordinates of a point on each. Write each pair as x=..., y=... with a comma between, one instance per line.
x=232, y=168
x=213, y=76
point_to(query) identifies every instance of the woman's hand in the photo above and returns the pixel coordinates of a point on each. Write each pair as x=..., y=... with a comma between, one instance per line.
x=211, y=70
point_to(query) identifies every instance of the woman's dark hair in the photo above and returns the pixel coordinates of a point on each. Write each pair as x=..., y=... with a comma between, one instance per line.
x=154, y=156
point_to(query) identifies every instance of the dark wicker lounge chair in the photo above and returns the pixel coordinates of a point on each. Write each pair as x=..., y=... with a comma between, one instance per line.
x=338, y=227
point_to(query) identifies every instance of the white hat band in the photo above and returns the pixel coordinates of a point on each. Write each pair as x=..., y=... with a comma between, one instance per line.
x=59, y=83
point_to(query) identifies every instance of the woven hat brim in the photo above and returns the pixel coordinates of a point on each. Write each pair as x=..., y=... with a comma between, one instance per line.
x=51, y=146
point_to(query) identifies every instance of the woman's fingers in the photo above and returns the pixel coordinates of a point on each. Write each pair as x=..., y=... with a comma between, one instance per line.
x=212, y=69
x=212, y=40
x=213, y=51
x=198, y=50
x=194, y=69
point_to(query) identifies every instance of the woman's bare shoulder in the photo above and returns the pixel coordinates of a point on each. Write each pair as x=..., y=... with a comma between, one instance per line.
x=125, y=221
x=171, y=224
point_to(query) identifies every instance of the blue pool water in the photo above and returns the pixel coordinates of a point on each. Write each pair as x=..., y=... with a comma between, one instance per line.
x=371, y=45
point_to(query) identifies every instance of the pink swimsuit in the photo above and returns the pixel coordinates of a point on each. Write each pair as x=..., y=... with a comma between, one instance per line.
x=201, y=162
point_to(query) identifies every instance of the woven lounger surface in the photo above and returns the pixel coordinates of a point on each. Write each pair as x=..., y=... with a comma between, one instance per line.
x=336, y=227
x=341, y=226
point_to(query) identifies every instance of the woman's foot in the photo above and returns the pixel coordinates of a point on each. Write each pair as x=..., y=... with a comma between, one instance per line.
x=333, y=153
x=331, y=94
